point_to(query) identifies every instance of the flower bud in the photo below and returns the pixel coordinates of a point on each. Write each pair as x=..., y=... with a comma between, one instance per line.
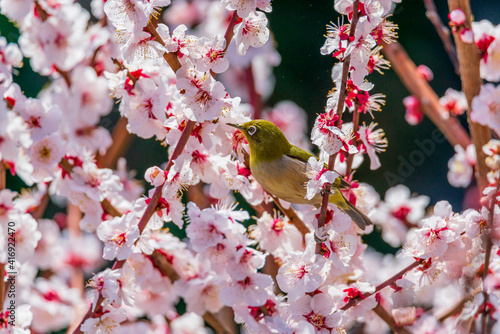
x=425, y=72
x=404, y=316
x=467, y=36
x=457, y=17
x=155, y=175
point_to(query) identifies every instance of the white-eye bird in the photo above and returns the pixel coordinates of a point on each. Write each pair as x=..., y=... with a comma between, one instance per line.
x=280, y=168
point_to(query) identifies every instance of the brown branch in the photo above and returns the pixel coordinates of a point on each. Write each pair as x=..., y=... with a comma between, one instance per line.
x=355, y=128
x=340, y=110
x=292, y=215
x=39, y=210
x=170, y=57
x=228, y=36
x=389, y=320
x=347, y=63
x=458, y=307
x=2, y=286
x=3, y=176
x=253, y=95
x=407, y=71
x=388, y=282
x=469, y=58
x=121, y=139
x=443, y=33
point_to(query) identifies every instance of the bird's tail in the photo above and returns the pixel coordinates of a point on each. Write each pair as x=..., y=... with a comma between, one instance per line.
x=342, y=203
x=357, y=216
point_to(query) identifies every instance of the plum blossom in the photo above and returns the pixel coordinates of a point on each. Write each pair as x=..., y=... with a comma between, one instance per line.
x=45, y=156
x=188, y=323
x=251, y=31
x=414, y=114
x=11, y=56
x=398, y=212
x=250, y=290
x=492, y=150
x=433, y=237
x=146, y=111
x=246, y=7
x=318, y=176
x=105, y=284
x=276, y=232
x=155, y=176
x=339, y=249
x=119, y=236
x=180, y=42
x=40, y=119
x=486, y=37
x=315, y=313
x=212, y=56
x=374, y=141
x=51, y=302
x=203, y=96
x=461, y=166
x=132, y=15
x=109, y=321
x=331, y=138
x=27, y=236
x=300, y=273
x=454, y=102
x=486, y=107
x=58, y=41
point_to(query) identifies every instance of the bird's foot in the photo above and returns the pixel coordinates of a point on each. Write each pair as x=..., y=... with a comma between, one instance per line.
x=324, y=192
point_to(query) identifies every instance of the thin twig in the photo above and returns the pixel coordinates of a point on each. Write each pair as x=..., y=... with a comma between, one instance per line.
x=228, y=36
x=459, y=306
x=443, y=33
x=389, y=320
x=253, y=95
x=469, y=59
x=407, y=71
x=292, y=215
x=355, y=128
x=388, y=282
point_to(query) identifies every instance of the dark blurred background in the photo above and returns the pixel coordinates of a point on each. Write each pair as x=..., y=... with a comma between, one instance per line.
x=304, y=77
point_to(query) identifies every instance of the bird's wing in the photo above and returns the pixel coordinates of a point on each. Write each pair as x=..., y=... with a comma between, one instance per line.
x=302, y=155
x=299, y=154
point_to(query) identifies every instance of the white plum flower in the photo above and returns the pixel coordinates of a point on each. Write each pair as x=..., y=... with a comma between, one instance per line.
x=251, y=31
x=300, y=273
x=461, y=166
x=212, y=55
x=318, y=176
x=374, y=141
x=155, y=176
x=251, y=290
x=105, y=284
x=119, y=236
x=486, y=107
x=108, y=322
x=203, y=95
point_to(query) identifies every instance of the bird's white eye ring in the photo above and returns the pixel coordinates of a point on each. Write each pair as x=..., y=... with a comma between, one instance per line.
x=251, y=130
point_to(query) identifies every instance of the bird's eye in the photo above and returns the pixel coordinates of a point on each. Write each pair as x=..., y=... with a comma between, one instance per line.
x=251, y=130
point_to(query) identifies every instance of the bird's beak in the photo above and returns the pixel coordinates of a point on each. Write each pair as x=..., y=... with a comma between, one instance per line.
x=239, y=127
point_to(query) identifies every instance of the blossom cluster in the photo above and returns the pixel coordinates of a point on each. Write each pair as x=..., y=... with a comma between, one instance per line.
x=176, y=72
